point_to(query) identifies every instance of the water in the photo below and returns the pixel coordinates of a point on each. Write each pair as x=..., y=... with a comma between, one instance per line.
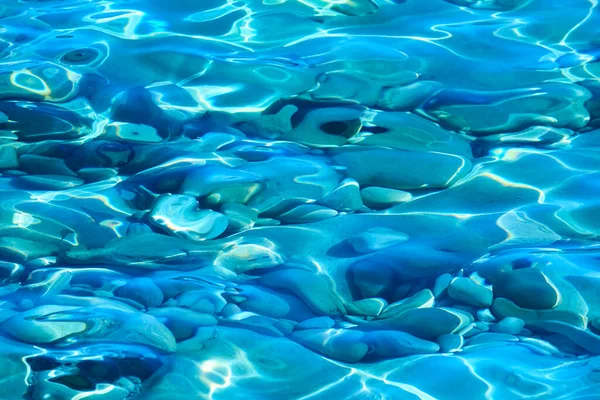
x=310, y=199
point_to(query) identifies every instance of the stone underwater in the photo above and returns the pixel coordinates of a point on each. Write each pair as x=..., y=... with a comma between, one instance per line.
x=299, y=199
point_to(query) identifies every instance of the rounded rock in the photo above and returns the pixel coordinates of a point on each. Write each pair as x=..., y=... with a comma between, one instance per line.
x=528, y=288
x=510, y=325
x=142, y=290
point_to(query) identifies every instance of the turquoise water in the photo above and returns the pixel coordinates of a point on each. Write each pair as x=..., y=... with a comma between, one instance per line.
x=299, y=199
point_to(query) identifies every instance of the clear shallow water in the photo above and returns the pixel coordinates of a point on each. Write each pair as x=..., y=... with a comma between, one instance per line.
x=299, y=199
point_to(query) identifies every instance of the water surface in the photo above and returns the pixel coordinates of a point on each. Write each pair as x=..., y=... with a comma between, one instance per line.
x=309, y=199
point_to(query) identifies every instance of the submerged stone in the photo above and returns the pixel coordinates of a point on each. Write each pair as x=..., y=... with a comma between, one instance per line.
x=311, y=288
x=32, y=326
x=441, y=284
x=422, y=299
x=510, y=325
x=467, y=291
x=375, y=239
x=339, y=344
x=240, y=217
x=506, y=308
x=307, y=213
x=489, y=337
x=315, y=199
x=96, y=174
x=248, y=255
x=450, y=342
x=180, y=216
x=388, y=344
x=372, y=280
x=345, y=198
x=370, y=167
x=316, y=323
x=407, y=131
x=425, y=323
x=20, y=250
x=380, y=197
x=469, y=110
x=8, y=158
x=408, y=97
x=410, y=260
x=326, y=127
x=49, y=182
x=128, y=132
x=528, y=288
x=34, y=164
x=367, y=307
x=142, y=290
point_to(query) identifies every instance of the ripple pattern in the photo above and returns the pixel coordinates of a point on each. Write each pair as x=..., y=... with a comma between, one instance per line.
x=299, y=199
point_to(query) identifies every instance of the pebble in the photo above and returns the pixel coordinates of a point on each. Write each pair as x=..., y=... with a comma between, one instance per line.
x=473, y=329
x=441, y=284
x=273, y=304
x=182, y=322
x=529, y=288
x=422, y=299
x=307, y=213
x=371, y=280
x=579, y=336
x=31, y=327
x=450, y=342
x=388, y=344
x=240, y=216
x=454, y=108
x=316, y=323
x=367, y=307
x=49, y=182
x=541, y=344
x=411, y=260
x=33, y=164
x=467, y=291
x=374, y=239
x=137, y=228
x=370, y=167
x=20, y=250
x=229, y=310
x=380, y=197
x=128, y=132
x=254, y=322
x=8, y=158
x=125, y=384
x=506, y=308
x=485, y=315
x=271, y=126
x=202, y=301
x=425, y=323
x=313, y=131
x=249, y=255
x=311, y=288
x=9, y=271
x=487, y=337
x=142, y=290
x=211, y=179
x=179, y=215
x=97, y=174
x=340, y=344
x=408, y=97
x=285, y=326
x=510, y=325
x=346, y=197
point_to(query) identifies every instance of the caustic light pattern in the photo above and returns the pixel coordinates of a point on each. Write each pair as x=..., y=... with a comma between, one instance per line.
x=299, y=199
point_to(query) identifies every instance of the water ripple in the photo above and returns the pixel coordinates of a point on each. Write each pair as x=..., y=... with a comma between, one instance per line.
x=313, y=199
